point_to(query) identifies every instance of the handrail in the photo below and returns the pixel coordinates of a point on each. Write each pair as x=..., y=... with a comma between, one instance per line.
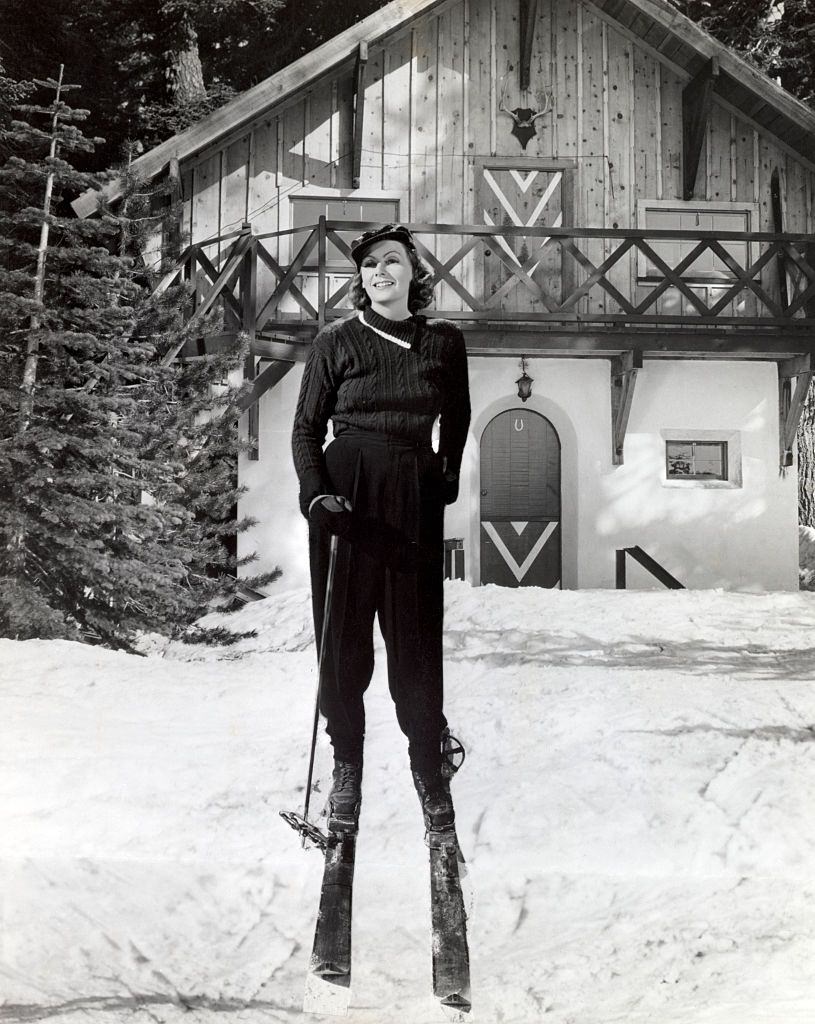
x=604, y=276
x=647, y=562
x=542, y=231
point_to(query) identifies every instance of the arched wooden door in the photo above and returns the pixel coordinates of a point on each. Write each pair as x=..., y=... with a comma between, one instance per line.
x=520, y=501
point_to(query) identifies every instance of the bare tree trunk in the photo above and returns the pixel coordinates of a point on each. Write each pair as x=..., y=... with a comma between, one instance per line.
x=32, y=356
x=806, y=461
x=187, y=75
x=16, y=547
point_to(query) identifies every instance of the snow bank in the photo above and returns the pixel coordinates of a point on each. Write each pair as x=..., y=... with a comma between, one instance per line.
x=636, y=811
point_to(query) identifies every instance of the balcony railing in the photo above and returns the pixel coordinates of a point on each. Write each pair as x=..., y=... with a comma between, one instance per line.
x=542, y=279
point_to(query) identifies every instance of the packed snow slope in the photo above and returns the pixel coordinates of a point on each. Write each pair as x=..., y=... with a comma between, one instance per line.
x=636, y=810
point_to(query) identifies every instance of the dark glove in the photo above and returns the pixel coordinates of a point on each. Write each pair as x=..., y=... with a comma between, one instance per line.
x=449, y=487
x=333, y=513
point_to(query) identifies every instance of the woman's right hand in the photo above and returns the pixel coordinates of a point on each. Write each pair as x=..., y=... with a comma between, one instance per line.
x=332, y=512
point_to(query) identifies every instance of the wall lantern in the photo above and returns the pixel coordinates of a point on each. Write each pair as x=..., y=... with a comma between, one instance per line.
x=524, y=382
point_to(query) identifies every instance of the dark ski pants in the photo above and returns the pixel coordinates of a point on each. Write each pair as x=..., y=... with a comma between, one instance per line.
x=392, y=566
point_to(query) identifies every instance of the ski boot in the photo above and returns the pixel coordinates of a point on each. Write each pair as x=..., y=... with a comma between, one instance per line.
x=345, y=797
x=434, y=795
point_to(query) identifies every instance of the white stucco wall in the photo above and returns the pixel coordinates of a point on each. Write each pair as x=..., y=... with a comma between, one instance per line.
x=736, y=537
x=739, y=537
x=280, y=537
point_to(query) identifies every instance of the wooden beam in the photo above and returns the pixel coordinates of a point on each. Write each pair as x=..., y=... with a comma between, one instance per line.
x=619, y=574
x=809, y=256
x=697, y=106
x=359, y=112
x=527, y=15
x=290, y=350
x=174, y=227
x=253, y=425
x=778, y=227
x=501, y=338
x=264, y=381
x=207, y=345
x=249, y=290
x=624, y=369
x=220, y=281
x=286, y=281
x=791, y=402
x=658, y=571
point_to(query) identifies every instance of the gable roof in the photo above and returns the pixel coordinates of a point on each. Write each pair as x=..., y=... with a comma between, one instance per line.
x=681, y=43
x=662, y=29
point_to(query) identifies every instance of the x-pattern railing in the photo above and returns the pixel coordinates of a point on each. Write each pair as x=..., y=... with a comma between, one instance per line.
x=587, y=262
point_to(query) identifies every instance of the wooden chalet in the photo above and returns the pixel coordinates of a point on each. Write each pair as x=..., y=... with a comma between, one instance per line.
x=618, y=213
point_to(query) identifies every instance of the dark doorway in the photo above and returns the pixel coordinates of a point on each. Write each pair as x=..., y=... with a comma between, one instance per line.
x=520, y=501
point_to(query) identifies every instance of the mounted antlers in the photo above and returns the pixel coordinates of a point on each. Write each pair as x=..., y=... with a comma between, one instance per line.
x=524, y=118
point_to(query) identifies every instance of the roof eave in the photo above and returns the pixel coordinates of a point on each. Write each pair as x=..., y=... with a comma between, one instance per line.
x=244, y=108
x=751, y=78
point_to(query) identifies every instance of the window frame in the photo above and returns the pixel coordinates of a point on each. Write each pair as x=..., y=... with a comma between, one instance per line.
x=731, y=439
x=646, y=273
x=316, y=195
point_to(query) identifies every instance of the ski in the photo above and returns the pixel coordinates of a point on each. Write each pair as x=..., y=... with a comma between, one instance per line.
x=451, y=956
x=328, y=985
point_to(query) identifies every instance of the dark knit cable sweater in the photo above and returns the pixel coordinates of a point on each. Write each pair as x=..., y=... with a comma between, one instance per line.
x=360, y=380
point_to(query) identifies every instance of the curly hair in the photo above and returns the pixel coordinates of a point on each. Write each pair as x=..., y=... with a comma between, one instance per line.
x=420, y=294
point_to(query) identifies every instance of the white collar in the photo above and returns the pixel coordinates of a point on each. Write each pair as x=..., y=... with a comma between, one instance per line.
x=382, y=334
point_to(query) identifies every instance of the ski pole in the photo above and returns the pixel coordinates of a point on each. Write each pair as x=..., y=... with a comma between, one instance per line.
x=329, y=592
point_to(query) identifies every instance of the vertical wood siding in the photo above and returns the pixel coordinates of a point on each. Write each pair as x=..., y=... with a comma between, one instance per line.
x=397, y=118
x=431, y=99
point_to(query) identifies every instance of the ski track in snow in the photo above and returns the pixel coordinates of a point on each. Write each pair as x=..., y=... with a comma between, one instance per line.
x=635, y=810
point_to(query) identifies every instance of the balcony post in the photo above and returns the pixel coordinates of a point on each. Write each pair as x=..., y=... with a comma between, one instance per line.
x=321, y=276
x=619, y=576
x=249, y=284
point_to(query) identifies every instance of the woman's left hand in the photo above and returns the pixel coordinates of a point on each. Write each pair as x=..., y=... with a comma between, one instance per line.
x=449, y=487
x=333, y=513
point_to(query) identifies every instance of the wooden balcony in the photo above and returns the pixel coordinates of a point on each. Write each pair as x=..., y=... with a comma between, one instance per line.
x=538, y=291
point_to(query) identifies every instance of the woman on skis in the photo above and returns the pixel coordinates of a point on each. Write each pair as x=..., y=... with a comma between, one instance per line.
x=382, y=376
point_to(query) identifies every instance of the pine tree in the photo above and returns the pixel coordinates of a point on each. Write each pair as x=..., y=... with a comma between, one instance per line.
x=794, y=60
x=742, y=25
x=110, y=461
x=778, y=36
x=131, y=55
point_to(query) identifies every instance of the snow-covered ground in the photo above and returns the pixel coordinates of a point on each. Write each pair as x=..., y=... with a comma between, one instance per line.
x=636, y=810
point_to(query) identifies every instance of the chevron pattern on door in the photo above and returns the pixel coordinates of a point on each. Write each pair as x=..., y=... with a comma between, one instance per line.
x=520, y=501
x=520, y=553
x=514, y=204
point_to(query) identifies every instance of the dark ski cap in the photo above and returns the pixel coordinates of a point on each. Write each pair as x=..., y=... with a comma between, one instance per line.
x=397, y=232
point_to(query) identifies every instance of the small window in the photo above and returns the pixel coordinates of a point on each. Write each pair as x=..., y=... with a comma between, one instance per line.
x=306, y=210
x=700, y=216
x=696, y=460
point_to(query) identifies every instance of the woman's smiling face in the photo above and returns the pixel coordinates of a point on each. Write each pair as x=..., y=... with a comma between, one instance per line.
x=387, y=272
